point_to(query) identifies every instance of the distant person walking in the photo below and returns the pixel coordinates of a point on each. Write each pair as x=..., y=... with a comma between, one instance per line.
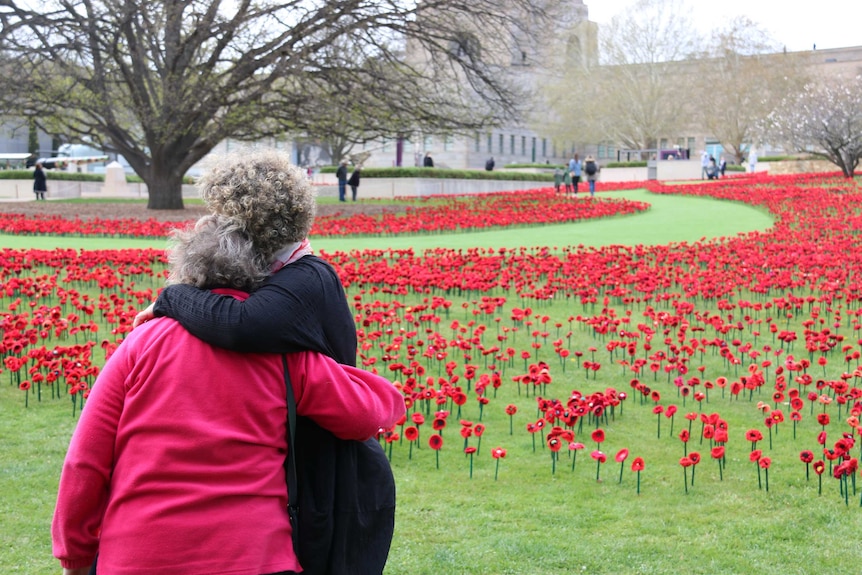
x=428, y=162
x=575, y=168
x=353, y=182
x=722, y=166
x=558, y=179
x=752, y=160
x=592, y=171
x=704, y=164
x=341, y=174
x=40, y=182
x=567, y=179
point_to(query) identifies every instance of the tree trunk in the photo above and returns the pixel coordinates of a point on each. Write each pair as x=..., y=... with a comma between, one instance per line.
x=165, y=190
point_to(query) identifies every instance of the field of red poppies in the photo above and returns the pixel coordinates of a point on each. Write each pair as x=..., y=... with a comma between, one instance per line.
x=723, y=368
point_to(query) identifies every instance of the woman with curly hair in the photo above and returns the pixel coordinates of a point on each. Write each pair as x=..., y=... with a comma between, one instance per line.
x=176, y=465
x=301, y=305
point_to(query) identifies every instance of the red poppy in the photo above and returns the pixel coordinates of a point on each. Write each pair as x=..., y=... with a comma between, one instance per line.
x=511, y=409
x=554, y=443
x=806, y=456
x=684, y=436
x=695, y=457
x=717, y=452
x=411, y=433
x=764, y=462
x=638, y=464
x=438, y=423
x=498, y=453
x=576, y=446
x=823, y=419
x=821, y=438
x=466, y=432
x=479, y=429
x=753, y=435
x=599, y=456
x=621, y=455
x=418, y=418
x=470, y=450
x=657, y=409
x=755, y=455
x=686, y=462
x=435, y=442
x=598, y=435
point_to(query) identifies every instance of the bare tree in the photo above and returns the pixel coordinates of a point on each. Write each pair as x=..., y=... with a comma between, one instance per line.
x=162, y=82
x=635, y=95
x=823, y=119
x=739, y=81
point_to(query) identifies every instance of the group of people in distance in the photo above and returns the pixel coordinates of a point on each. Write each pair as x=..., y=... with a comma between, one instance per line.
x=570, y=176
x=176, y=464
x=710, y=169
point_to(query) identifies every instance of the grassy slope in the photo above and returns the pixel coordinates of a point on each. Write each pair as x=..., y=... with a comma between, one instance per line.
x=671, y=219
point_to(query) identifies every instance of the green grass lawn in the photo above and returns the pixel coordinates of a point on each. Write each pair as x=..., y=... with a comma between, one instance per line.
x=670, y=219
x=530, y=520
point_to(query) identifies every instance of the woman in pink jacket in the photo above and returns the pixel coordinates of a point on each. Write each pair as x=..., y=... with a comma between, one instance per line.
x=176, y=465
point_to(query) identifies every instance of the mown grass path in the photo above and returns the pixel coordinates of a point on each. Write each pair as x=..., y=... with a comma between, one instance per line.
x=670, y=219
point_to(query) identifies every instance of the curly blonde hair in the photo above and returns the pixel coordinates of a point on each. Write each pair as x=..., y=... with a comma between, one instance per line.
x=268, y=196
x=215, y=252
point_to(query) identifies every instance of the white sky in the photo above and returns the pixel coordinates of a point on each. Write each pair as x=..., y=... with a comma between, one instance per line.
x=795, y=24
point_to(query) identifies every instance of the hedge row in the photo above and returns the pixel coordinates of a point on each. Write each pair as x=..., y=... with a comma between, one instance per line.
x=72, y=176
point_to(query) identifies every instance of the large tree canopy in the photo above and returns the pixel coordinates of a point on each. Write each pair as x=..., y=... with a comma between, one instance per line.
x=162, y=82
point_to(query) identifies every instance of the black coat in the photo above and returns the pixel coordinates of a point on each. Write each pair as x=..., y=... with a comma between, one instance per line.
x=40, y=183
x=341, y=173
x=354, y=179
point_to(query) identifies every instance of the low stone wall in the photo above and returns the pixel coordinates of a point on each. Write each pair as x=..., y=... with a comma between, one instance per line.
x=798, y=166
x=419, y=187
x=22, y=190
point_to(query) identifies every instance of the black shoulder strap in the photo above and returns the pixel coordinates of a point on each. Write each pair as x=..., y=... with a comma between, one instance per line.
x=290, y=461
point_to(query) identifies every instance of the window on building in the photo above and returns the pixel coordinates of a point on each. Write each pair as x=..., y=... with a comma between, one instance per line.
x=523, y=145
x=663, y=144
x=478, y=142
x=500, y=141
x=512, y=144
x=448, y=142
x=533, y=149
x=544, y=147
x=490, y=143
x=428, y=141
x=691, y=145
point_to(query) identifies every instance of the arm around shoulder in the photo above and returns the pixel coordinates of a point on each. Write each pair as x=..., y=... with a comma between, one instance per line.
x=349, y=402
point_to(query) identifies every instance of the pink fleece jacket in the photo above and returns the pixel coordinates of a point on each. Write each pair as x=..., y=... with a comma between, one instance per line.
x=176, y=462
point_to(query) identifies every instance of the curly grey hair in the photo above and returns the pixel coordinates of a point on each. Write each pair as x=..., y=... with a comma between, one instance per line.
x=215, y=252
x=264, y=193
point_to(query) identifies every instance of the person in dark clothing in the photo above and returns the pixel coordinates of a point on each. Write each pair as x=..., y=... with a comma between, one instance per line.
x=341, y=174
x=300, y=306
x=429, y=161
x=353, y=182
x=489, y=165
x=40, y=182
